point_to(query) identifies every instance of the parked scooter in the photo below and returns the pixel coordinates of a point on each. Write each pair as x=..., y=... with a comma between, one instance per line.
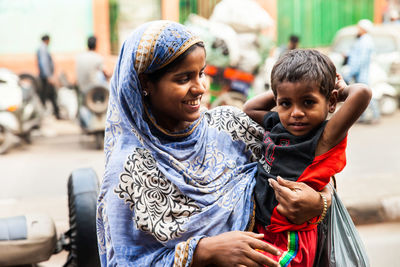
x=92, y=112
x=67, y=98
x=20, y=109
x=31, y=238
x=382, y=91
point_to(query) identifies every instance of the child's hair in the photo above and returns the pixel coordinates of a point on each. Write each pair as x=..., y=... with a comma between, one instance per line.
x=301, y=65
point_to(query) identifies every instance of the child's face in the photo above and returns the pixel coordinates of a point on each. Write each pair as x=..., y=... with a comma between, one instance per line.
x=301, y=106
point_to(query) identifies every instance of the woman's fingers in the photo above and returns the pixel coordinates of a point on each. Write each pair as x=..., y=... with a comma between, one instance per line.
x=289, y=184
x=254, y=235
x=284, y=190
x=277, y=187
x=297, y=201
x=260, y=259
x=234, y=248
x=257, y=243
x=256, y=258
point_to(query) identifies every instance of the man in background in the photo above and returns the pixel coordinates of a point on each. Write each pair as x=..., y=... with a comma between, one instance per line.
x=293, y=43
x=89, y=67
x=46, y=72
x=359, y=61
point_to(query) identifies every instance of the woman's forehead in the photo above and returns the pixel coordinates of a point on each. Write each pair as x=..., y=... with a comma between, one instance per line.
x=160, y=43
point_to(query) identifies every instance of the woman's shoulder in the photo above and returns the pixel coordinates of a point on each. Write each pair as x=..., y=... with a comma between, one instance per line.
x=228, y=117
x=228, y=112
x=236, y=123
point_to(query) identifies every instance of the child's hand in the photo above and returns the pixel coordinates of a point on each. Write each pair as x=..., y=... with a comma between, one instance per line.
x=340, y=83
x=340, y=86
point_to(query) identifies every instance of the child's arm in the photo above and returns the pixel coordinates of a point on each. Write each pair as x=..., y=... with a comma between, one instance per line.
x=356, y=98
x=258, y=106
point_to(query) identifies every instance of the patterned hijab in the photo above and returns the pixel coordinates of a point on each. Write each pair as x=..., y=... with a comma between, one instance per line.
x=162, y=192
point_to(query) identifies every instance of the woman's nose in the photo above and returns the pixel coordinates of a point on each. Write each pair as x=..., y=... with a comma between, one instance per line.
x=199, y=86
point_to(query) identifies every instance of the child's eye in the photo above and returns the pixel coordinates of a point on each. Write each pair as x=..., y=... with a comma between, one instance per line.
x=308, y=102
x=284, y=104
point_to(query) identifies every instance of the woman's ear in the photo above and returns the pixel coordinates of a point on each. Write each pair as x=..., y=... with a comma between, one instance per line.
x=332, y=101
x=144, y=83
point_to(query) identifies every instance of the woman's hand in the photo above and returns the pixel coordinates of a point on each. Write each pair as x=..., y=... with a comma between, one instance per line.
x=297, y=201
x=234, y=248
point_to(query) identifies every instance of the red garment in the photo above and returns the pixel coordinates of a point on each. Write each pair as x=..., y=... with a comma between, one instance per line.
x=317, y=175
x=300, y=253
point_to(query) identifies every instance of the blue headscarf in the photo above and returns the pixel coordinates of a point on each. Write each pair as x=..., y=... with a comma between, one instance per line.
x=162, y=192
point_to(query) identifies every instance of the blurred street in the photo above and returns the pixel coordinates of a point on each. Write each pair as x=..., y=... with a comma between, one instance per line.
x=34, y=177
x=46, y=56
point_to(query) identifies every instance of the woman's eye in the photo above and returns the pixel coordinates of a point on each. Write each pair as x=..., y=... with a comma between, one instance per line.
x=183, y=79
x=202, y=74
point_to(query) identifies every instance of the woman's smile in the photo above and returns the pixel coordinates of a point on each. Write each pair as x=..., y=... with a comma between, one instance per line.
x=175, y=99
x=195, y=102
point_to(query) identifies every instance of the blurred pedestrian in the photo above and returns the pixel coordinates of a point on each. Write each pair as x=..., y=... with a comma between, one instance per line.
x=394, y=17
x=89, y=67
x=46, y=72
x=359, y=61
x=293, y=43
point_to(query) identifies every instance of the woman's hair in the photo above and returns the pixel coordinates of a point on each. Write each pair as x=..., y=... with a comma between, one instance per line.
x=158, y=74
x=304, y=65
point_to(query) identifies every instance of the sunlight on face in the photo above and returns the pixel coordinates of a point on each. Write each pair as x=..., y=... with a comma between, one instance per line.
x=175, y=98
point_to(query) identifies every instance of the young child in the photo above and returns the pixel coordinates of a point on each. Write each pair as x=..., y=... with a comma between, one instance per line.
x=300, y=144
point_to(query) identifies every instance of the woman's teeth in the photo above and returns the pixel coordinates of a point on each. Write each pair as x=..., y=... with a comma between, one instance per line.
x=193, y=102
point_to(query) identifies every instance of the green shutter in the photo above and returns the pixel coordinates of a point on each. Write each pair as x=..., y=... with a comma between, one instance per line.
x=201, y=7
x=317, y=21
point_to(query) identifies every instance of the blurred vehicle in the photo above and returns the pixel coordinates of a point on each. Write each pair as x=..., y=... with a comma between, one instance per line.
x=31, y=238
x=20, y=108
x=235, y=49
x=230, y=84
x=67, y=98
x=385, y=63
x=92, y=112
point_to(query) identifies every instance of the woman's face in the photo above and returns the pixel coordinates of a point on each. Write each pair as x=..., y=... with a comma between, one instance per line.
x=175, y=98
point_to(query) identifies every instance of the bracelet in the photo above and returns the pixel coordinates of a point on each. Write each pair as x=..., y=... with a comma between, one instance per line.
x=324, y=210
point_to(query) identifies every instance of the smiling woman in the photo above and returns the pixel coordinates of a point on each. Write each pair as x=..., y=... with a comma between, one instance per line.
x=178, y=182
x=174, y=92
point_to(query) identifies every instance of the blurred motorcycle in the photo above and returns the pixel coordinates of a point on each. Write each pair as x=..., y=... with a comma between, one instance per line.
x=29, y=239
x=67, y=98
x=92, y=112
x=382, y=91
x=20, y=108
